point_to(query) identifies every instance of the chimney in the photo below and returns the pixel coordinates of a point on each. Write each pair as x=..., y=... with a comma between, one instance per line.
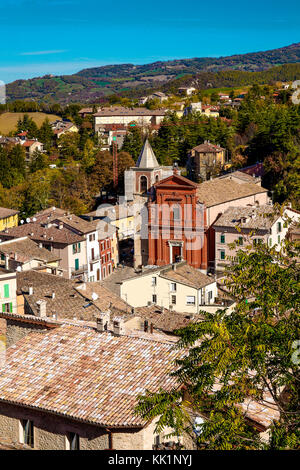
x=30, y=290
x=53, y=295
x=60, y=226
x=119, y=326
x=42, y=308
x=174, y=266
x=103, y=321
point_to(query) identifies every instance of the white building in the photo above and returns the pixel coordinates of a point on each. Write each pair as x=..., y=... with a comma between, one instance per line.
x=177, y=287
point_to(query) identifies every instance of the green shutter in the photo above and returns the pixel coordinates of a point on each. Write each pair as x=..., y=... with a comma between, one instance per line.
x=79, y=247
x=3, y=308
x=10, y=307
x=76, y=264
x=222, y=238
x=74, y=249
x=6, y=291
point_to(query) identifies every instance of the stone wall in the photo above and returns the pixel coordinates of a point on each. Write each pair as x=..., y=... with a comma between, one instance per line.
x=16, y=330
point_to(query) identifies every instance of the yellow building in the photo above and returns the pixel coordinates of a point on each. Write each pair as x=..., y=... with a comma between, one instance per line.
x=8, y=218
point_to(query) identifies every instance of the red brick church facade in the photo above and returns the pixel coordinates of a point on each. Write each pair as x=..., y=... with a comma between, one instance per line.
x=177, y=226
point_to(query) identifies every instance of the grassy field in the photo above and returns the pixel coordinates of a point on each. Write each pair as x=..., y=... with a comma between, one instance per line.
x=8, y=121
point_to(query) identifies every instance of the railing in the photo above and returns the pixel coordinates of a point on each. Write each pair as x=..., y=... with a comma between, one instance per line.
x=80, y=270
x=94, y=258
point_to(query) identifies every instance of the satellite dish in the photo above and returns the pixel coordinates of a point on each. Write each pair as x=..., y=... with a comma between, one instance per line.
x=34, y=219
x=22, y=222
x=94, y=296
x=19, y=269
x=197, y=425
x=53, y=208
x=28, y=220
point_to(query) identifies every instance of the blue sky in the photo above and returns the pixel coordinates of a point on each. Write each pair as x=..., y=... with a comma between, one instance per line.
x=65, y=36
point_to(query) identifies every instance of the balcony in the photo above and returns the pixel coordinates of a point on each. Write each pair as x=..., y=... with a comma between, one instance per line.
x=77, y=272
x=94, y=259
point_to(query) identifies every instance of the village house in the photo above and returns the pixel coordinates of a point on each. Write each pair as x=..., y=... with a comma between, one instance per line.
x=8, y=289
x=30, y=146
x=232, y=190
x=186, y=91
x=60, y=128
x=8, y=218
x=66, y=245
x=178, y=287
x=125, y=116
x=88, y=230
x=204, y=160
x=22, y=254
x=78, y=410
x=250, y=224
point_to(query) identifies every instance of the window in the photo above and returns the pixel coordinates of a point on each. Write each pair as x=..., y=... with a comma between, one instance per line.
x=222, y=254
x=222, y=238
x=279, y=227
x=107, y=243
x=7, y=308
x=92, y=279
x=176, y=213
x=76, y=264
x=154, y=298
x=278, y=239
x=6, y=291
x=190, y=300
x=92, y=237
x=173, y=286
x=108, y=256
x=27, y=436
x=173, y=299
x=209, y=296
x=143, y=184
x=257, y=241
x=73, y=441
x=109, y=269
x=76, y=248
x=91, y=267
x=153, y=281
x=270, y=241
x=240, y=241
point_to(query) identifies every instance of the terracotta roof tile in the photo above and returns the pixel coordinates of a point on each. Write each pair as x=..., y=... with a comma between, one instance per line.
x=86, y=375
x=218, y=191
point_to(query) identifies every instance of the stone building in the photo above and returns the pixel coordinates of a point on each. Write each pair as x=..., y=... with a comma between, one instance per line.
x=81, y=384
x=205, y=161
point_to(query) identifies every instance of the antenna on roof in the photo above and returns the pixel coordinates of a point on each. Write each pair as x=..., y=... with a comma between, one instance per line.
x=28, y=220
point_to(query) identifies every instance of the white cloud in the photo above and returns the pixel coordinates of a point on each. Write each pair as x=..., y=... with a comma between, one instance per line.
x=43, y=52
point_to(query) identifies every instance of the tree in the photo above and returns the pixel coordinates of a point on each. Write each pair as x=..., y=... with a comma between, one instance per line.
x=38, y=161
x=228, y=359
x=46, y=135
x=133, y=142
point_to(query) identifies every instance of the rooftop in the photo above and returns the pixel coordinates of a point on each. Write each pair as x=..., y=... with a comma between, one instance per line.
x=219, y=191
x=49, y=214
x=5, y=212
x=41, y=233
x=67, y=303
x=120, y=111
x=86, y=375
x=147, y=158
x=208, y=147
x=251, y=217
x=75, y=222
x=185, y=274
x=26, y=249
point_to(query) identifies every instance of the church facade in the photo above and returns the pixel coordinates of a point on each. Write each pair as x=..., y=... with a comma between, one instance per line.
x=177, y=227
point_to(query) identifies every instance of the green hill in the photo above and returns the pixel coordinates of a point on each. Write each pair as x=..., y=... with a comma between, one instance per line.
x=90, y=85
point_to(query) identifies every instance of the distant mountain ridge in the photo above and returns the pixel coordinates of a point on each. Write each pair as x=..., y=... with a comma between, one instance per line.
x=92, y=84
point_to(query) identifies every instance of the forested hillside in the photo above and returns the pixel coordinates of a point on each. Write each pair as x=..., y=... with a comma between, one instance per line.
x=91, y=85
